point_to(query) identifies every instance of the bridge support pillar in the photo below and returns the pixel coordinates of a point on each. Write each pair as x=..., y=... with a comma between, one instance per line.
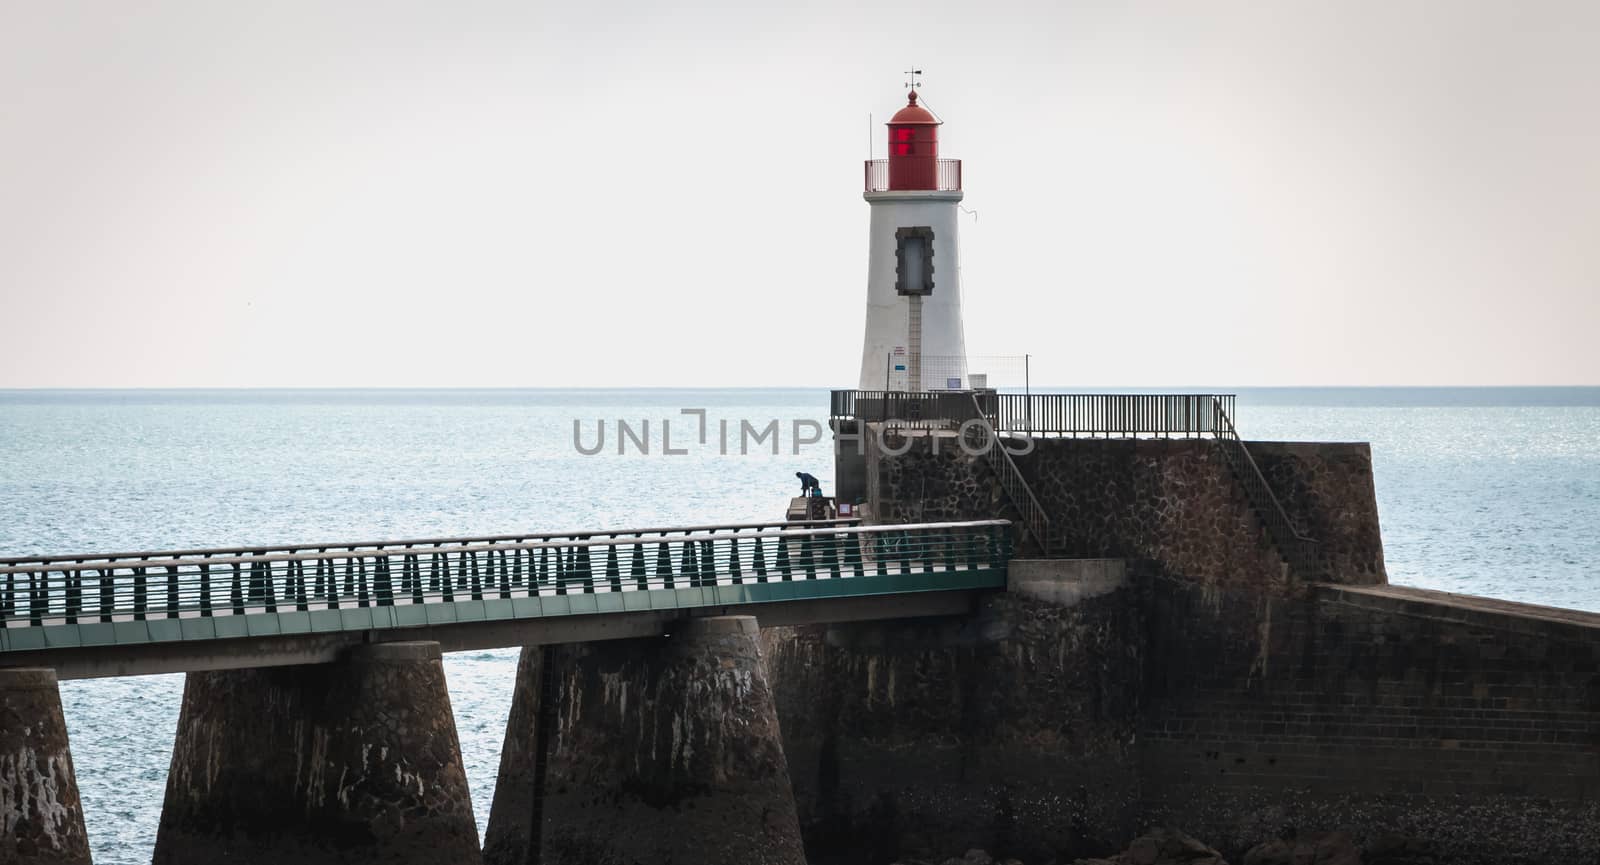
x=665, y=751
x=351, y=762
x=512, y=815
x=41, y=820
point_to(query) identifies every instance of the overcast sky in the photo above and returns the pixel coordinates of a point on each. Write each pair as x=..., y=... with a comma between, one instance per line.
x=635, y=193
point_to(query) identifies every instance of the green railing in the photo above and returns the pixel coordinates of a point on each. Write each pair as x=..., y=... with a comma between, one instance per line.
x=353, y=546
x=214, y=594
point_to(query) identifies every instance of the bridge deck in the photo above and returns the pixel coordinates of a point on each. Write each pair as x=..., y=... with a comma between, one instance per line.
x=96, y=611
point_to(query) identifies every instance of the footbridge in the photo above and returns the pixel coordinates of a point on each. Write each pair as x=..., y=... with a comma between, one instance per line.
x=89, y=615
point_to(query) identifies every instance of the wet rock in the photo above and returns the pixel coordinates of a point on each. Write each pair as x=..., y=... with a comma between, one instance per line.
x=1395, y=849
x=1306, y=848
x=1162, y=847
x=974, y=856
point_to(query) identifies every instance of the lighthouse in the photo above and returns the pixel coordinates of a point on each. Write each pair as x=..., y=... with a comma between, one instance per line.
x=914, y=336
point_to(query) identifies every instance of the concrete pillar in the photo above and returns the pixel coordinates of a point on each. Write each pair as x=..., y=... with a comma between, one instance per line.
x=511, y=816
x=41, y=821
x=667, y=751
x=351, y=762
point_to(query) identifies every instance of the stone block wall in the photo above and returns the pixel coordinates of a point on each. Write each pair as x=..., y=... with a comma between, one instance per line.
x=1168, y=501
x=1473, y=724
x=1262, y=706
x=1327, y=489
x=1171, y=502
x=929, y=478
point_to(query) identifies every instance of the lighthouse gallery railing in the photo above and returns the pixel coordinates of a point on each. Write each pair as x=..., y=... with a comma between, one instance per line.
x=948, y=175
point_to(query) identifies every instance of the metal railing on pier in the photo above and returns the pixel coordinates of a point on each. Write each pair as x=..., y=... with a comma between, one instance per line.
x=1297, y=549
x=1034, y=517
x=456, y=541
x=1096, y=414
x=911, y=409
x=616, y=570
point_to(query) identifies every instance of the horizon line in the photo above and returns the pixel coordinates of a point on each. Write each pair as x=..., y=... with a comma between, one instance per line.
x=1040, y=388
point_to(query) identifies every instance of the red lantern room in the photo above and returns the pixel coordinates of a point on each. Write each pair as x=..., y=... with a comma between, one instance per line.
x=913, y=147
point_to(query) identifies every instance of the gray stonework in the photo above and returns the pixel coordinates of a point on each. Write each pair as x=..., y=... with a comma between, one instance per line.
x=1090, y=701
x=1327, y=488
x=1012, y=730
x=351, y=762
x=41, y=820
x=924, y=477
x=668, y=751
x=1171, y=503
x=1196, y=687
x=1374, y=710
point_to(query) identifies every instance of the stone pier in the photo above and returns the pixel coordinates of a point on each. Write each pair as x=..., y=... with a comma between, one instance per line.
x=512, y=814
x=663, y=751
x=41, y=821
x=1013, y=729
x=350, y=762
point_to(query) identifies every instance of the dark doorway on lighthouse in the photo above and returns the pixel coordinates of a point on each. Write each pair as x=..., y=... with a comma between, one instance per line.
x=914, y=260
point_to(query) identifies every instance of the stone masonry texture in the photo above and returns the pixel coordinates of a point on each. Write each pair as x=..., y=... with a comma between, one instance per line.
x=1013, y=731
x=1327, y=489
x=41, y=820
x=1212, y=692
x=510, y=817
x=1171, y=503
x=1374, y=711
x=668, y=751
x=351, y=762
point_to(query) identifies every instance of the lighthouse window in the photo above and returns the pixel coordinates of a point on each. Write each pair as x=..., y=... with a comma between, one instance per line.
x=902, y=143
x=914, y=260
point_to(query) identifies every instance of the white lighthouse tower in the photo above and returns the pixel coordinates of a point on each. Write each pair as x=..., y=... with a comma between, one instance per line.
x=914, y=339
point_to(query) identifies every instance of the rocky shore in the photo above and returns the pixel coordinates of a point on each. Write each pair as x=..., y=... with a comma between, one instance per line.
x=1168, y=846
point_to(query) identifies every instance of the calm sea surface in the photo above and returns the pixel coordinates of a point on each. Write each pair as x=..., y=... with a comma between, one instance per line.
x=1492, y=492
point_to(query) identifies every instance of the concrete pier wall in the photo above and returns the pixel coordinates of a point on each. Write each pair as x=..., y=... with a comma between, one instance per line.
x=1471, y=724
x=668, y=751
x=1012, y=730
x=1090, y=702
x=512, y=816
x=41, y=819
x=351, y=762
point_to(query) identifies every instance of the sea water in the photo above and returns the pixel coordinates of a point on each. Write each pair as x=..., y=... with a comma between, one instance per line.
x=1492, y=492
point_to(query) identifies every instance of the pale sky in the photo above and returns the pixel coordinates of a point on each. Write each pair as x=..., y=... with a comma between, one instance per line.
x=1349, y=192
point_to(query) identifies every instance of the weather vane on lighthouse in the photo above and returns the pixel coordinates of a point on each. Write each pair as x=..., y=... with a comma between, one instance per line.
x=913, y=79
